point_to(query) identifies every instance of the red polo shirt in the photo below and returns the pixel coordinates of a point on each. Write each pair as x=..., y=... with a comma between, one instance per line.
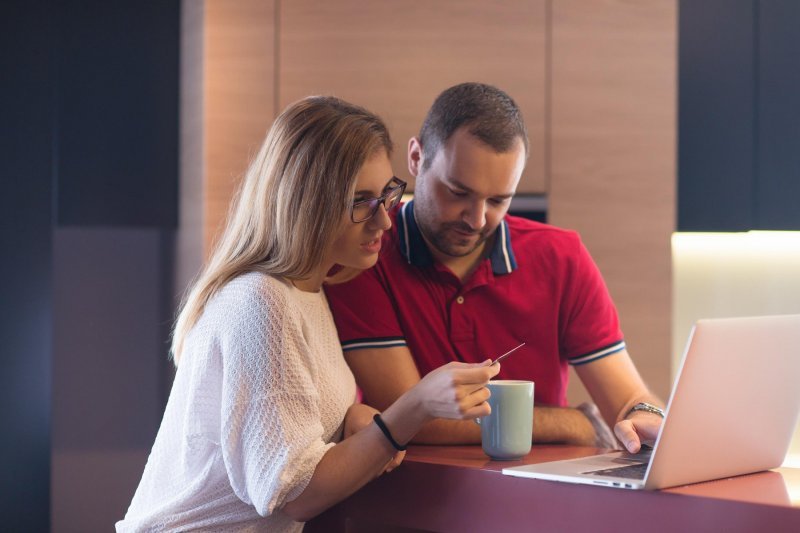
x=539, y=286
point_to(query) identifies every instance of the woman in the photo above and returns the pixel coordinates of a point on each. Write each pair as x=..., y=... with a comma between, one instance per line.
x=262, y=394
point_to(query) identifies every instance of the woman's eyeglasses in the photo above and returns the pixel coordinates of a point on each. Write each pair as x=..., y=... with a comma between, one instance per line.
x=366, y=209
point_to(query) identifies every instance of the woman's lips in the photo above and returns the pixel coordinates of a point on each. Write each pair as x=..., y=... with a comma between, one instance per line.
x=372, y=246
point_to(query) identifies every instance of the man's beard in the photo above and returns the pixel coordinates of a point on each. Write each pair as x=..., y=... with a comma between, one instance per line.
x=442, y=241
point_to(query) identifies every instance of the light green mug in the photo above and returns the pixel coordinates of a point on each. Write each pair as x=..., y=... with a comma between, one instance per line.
x=506, y=433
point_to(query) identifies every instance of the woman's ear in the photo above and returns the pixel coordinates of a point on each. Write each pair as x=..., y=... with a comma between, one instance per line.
x=414, y=156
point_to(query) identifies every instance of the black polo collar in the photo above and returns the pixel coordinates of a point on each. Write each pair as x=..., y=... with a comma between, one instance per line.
x=416, y=252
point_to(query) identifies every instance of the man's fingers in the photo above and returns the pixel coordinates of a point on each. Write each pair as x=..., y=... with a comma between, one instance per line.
x=469, y=397
x=477, y=411
x=469, y=389
x=459, y=364
x=479, y=374
x=626, y=433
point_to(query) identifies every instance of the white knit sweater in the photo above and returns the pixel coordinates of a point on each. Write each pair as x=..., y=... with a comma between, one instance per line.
x=259, y=397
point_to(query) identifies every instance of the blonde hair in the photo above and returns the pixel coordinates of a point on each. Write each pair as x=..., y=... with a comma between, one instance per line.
x=291, y=203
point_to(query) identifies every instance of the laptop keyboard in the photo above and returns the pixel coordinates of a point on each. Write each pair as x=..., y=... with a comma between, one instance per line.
x=636, y=471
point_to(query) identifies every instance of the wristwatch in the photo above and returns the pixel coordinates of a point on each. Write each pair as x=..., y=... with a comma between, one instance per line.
x=643, y=406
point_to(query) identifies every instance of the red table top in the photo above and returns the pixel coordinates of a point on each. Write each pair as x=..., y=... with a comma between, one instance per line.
x=458, y=488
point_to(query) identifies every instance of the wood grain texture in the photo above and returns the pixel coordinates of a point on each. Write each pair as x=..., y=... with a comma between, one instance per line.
x=239, y=97
x=613, y=157
x=609, y=146
x=395, y=57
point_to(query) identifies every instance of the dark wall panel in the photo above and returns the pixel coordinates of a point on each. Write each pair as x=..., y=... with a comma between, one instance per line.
x=110, y=343
x=113, y=305
x=118, y=121
x=26, y=114
x=716, y=115
x=778, y=184
x=739, y=116
x=88, y=138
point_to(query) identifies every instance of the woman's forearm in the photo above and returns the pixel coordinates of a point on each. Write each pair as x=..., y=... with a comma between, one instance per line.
x=356, y=460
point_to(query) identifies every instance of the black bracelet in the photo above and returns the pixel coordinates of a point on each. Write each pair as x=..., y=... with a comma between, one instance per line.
x=379, y=422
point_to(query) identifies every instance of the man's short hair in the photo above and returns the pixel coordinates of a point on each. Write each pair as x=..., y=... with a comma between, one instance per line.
x=490, y=114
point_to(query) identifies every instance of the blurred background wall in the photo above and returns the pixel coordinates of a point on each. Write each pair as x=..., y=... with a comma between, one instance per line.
x=737, y=249
x=126, y=126
x=89, y=170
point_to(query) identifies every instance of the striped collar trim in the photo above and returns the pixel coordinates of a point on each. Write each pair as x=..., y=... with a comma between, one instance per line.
x=415, y=251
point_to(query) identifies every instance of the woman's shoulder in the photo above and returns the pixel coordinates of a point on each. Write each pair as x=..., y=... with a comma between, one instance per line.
x=251, y=289
x=246, y=300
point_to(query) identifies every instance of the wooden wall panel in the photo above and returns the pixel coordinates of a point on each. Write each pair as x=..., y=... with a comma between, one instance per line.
x=239, y=97
x=394, y=57
x=601, y=73
x=613, y=157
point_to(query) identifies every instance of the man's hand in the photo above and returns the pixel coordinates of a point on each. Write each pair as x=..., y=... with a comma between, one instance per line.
x=456, y=390
x=639, y=428
x=358, y=417
x=603, y=436
x=615, y=386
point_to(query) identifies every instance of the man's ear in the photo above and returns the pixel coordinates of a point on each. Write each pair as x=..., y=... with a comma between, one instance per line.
x=414, y=156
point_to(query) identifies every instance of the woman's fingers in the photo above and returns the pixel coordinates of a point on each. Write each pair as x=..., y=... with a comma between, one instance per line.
x=394, y=462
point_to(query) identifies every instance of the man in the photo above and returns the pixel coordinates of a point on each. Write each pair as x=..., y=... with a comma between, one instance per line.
x=459, y=279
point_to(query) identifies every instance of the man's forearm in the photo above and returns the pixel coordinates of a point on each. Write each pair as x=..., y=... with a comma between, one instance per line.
x=550, y=425
x=562, y=425
x=445, y=432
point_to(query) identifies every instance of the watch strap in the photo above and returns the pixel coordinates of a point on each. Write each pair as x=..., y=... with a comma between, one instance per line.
x=647, y=407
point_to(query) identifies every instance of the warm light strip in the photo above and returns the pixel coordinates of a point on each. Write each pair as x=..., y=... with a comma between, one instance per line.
x=792, y=461
x=792, y=488
x=772, y=242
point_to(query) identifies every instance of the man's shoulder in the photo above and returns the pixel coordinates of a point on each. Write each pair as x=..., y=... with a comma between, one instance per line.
x=530, y=232
x=390, y=256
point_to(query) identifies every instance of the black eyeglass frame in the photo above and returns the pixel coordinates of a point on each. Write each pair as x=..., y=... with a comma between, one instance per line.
x=394, y=193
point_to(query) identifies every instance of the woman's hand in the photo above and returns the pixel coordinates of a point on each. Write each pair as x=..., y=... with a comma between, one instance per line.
x=457, y=390
x=358, y=417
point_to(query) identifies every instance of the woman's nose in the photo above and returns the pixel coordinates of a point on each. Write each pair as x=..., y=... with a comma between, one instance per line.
x=381, y=218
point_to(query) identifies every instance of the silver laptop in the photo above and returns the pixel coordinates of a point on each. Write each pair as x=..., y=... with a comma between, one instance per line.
x=732, y=411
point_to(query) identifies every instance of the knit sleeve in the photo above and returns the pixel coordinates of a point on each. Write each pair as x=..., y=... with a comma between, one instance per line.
x=271, y=429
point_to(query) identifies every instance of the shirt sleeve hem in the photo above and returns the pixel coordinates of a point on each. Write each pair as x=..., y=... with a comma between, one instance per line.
x=597, y=354
x=376, y=342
